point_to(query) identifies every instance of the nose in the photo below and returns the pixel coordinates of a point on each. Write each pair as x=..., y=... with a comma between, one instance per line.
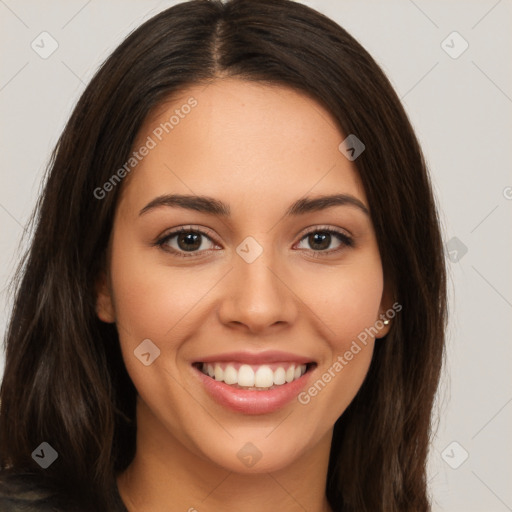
x=258, y=296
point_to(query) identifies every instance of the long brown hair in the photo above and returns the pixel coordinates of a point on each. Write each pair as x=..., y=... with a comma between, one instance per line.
x=65, y=382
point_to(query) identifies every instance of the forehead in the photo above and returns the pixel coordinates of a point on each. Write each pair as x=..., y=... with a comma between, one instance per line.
x=235, y=140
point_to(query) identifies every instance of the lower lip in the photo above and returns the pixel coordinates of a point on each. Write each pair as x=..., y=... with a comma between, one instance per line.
x=253, y=402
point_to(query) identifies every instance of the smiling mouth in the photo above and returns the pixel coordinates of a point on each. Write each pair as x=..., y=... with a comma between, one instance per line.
x=262, y=377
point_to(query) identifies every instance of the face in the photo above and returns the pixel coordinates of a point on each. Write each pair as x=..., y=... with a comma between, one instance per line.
x=242, y=285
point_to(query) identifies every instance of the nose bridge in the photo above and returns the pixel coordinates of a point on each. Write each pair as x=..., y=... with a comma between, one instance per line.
x=257, y=295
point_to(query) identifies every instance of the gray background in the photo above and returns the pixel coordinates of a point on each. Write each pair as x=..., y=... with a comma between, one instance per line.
x=461, y=110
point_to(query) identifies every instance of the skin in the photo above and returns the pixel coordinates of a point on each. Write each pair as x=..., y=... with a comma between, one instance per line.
x=257, y=148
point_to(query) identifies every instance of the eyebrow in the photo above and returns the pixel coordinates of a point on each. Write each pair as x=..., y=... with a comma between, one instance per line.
x=212, y=206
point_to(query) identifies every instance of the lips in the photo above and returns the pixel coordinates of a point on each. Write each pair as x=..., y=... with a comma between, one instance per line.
x=254, y=383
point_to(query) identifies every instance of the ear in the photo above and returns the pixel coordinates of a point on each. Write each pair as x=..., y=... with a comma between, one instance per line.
x=387, y=312
x=104, y=302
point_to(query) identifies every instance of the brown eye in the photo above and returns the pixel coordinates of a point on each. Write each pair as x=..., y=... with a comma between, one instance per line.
x=320, y=240
x=185, y=240
x=189, y=241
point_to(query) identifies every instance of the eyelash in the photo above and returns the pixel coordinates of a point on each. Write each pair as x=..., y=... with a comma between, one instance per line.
x=345, y=240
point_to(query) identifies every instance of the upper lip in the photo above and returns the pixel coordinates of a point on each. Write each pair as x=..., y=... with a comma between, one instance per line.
x=266, y=357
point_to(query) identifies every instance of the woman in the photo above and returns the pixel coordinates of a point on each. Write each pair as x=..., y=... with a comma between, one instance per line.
x=235, y=294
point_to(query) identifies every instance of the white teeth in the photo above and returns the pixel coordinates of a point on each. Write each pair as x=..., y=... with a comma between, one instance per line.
x=219, y=373
x=245, y=375
x=230, y=375
x=264, y=377
x=260, y=377
x=279, y=376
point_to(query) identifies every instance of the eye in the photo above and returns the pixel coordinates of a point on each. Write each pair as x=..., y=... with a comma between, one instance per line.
x=321, y=239
x=185, y=240
x=189, y=241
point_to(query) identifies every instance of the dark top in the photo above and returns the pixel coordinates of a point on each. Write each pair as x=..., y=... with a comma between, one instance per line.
x=21, y=494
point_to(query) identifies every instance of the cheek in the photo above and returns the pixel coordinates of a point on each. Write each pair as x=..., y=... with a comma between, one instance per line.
x=347, y=303
x=345, y=300
x=151, y=299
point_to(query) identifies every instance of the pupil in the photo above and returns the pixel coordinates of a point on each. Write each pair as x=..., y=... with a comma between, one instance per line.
x=318, y=238
x=191, y=241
